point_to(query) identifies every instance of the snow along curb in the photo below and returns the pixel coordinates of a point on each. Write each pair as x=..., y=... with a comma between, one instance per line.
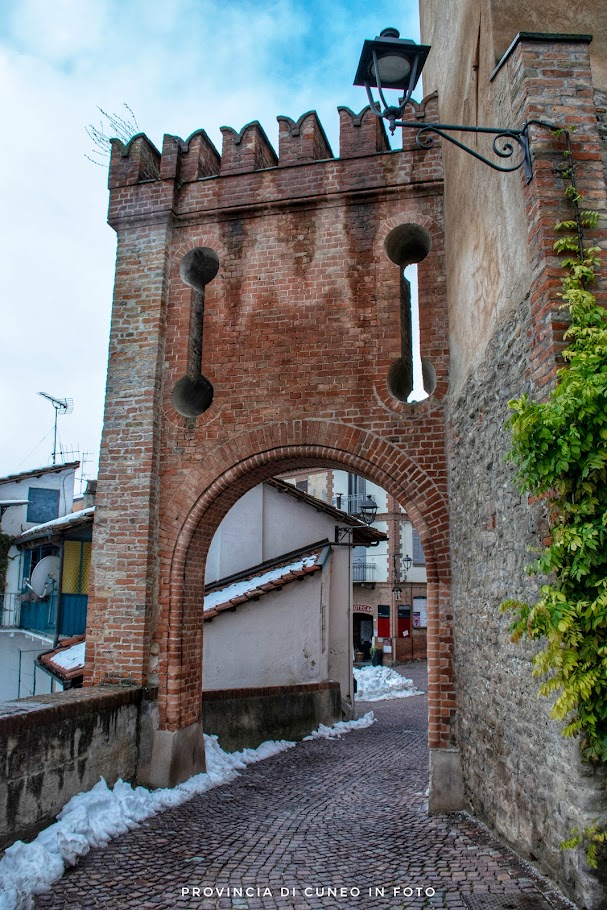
x=92, y=819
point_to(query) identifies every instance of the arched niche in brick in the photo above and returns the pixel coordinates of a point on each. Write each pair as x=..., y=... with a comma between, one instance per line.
x=192, y=394
x=407, y=244
x=209, y=493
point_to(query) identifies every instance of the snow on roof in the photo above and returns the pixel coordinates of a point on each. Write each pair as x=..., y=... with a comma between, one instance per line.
x=256, y=585
x=48, y=527
x=66, y=661
x=71, y=658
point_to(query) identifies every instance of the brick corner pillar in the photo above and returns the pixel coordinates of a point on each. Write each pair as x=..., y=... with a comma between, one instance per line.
x=551, y=81
x=123, y=603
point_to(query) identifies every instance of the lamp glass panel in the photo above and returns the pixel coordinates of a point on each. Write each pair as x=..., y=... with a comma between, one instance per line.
x=392, y=69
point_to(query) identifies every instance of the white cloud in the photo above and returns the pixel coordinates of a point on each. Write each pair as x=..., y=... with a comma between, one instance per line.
x=180, y=65
x=60, y=30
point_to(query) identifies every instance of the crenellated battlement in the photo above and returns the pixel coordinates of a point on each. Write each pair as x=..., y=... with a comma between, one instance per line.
x=249, y=151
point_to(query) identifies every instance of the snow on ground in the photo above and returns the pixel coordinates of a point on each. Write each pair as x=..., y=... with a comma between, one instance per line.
x=92, y=819
x=342, y=726
x=379, y=683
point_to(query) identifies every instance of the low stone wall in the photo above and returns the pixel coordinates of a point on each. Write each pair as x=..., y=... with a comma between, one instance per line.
x=54, y=746
x=244, y=718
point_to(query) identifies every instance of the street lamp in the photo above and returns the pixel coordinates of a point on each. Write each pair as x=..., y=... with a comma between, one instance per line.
x=368, y=510
x=392, y=62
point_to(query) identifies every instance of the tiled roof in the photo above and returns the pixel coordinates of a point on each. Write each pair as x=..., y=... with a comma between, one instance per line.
x=66, y=661
x=38, y=472
x=261, y=581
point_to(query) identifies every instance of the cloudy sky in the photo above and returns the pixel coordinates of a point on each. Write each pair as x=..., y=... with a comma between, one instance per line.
x=180, y=65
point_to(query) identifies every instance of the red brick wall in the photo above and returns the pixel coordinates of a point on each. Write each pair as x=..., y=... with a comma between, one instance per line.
x=552, y=82
x=301, y=325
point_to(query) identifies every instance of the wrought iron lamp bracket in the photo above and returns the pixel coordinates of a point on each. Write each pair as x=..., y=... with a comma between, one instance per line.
x=505, y=141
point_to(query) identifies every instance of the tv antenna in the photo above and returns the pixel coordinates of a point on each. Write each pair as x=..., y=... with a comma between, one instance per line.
x=66, y=406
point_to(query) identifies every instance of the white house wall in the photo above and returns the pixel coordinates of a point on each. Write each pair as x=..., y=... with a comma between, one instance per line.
x=340, y=622
x=264, y=524
x=275, y=641
x=14, y=520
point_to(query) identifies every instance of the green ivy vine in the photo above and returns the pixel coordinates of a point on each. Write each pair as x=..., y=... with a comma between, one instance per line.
x=559, y=447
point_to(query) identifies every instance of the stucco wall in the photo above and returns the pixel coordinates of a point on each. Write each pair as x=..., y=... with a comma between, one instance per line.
x=263, y=525
x=275, y=641
x=14, y=520
x=488, y=269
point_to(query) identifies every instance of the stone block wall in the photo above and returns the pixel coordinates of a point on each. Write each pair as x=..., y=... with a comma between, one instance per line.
x=521, y=776
x=244, y=718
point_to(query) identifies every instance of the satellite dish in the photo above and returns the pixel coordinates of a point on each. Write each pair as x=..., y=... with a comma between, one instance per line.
x=43, y=576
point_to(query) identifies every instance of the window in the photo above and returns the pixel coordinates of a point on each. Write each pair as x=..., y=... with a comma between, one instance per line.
x=76, y=566
x=419, y=557
x=383, y=621
x=301, y=485
x=43, y=505
x=32, y=557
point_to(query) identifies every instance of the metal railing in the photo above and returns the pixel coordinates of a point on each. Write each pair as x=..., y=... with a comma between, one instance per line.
x=363, y=571
x=19, y=611
x=10, y=610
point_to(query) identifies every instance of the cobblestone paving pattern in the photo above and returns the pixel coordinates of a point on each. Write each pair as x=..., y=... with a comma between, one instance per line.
x=347, y=814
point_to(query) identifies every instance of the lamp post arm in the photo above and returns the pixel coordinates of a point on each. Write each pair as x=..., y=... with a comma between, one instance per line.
x=504, y=142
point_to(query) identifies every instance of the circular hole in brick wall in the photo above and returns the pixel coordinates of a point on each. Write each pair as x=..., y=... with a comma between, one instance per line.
x=192, y=396
x=407, y=243
x=198, y=267
x=399, y=383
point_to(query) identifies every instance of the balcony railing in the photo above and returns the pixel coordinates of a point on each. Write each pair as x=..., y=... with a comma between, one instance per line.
x=363, y=571
x=10, y=607
x=19, y=612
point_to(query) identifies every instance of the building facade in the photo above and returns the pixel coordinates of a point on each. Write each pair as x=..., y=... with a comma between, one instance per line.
x=390, y=603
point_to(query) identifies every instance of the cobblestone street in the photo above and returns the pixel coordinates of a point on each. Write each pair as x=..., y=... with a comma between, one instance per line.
x=347, y=814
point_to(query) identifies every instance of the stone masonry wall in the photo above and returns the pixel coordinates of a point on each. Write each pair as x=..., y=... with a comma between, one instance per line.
x=54, y=746
x=520, y=774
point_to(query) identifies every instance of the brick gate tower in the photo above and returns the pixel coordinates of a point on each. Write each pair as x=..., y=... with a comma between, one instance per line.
x=261, y=324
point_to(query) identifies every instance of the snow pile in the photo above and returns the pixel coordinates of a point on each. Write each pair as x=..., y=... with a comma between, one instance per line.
x=379, y=683
x=92, y=819
x=342, y=726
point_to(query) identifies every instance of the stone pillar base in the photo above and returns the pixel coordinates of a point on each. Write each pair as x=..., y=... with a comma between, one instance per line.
x=446, y=782
x=174, y=757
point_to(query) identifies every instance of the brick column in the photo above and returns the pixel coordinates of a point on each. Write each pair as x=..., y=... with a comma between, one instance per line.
x=123, y=592
x=550, y=80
